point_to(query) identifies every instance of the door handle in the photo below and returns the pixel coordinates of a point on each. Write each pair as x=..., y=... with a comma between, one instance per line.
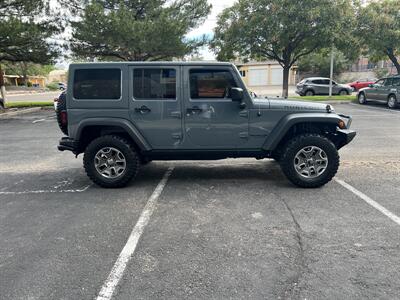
x=143, y=109
x=194, y=109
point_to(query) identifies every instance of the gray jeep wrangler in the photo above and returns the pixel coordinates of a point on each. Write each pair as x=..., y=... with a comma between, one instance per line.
x=123, y=115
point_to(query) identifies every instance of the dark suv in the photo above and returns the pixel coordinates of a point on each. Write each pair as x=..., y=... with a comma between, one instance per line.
x=123, y=115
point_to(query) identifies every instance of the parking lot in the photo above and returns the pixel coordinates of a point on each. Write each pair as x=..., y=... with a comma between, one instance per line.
x=215, y=229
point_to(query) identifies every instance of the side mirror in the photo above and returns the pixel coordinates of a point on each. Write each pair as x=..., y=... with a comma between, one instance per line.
x=236, y=94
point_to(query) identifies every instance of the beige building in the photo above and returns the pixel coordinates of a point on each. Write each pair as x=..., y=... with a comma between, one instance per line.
x=17, y=80
x=261, y=76
x=57, y=76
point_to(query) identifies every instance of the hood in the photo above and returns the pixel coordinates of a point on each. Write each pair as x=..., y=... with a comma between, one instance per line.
x=289, y=105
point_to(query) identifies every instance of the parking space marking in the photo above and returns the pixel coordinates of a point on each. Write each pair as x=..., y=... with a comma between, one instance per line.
x=124, y=257
x=46, y=191
x=371, y=202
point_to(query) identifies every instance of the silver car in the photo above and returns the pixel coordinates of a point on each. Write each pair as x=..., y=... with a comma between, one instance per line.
x=320, y=86
x=385, y=90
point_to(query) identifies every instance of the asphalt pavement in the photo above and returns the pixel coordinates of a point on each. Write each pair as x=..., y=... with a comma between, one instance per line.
x=33, y=97
x=233, y=228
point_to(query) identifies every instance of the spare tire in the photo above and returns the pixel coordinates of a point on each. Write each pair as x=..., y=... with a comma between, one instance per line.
x=61, y=110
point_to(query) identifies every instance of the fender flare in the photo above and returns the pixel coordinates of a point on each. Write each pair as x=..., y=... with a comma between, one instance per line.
x=283, y=126
x=126, y=125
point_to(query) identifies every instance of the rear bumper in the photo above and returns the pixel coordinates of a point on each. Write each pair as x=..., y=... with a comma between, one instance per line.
x=68, y=144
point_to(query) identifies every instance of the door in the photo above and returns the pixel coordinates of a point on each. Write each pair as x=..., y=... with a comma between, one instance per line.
x=384, y=90
x=212, y=119
x=320, y=87
x=276, y=76
x=258, y=77
x=155, y=107
x=372, y=92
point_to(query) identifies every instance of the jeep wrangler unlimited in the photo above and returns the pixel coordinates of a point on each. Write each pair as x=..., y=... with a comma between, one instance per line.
x=122, y=115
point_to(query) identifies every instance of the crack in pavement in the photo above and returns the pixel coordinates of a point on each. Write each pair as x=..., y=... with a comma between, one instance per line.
x=293, y=290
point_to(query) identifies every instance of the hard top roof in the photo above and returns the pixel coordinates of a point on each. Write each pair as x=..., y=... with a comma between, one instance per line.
x=156, y=63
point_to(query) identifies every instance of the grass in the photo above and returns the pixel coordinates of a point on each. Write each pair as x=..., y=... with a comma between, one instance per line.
x=18, y=104
x=326, y=98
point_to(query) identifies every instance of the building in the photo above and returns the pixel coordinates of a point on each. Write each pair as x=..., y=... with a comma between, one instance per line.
x=58, y=76
x=18, y=80
x=262, y=75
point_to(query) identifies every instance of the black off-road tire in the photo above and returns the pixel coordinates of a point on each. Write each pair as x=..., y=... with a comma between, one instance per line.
x=62, y=106
x=295, y=145
x=129, y=152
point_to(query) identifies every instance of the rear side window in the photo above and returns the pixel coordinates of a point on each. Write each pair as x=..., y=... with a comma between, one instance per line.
x=388, y=81
x=154, y=83
x=97, y=84
x=317, y=81
x=205, y=84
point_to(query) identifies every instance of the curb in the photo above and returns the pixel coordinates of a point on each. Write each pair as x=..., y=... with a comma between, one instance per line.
x=19, y=112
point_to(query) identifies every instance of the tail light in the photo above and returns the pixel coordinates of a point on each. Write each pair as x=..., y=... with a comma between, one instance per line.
x=64, y=117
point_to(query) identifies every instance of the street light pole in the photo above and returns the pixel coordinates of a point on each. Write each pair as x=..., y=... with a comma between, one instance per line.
x=331, y=73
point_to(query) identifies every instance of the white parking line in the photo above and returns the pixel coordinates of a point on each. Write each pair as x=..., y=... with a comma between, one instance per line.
x=47, y=191
x=118, y=269
x=371, y=202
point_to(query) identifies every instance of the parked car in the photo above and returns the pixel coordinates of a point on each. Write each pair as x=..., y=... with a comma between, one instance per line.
x=361, y=83
x=320, y=86
x=123, y=115
x=385, y=90
x=62, y=86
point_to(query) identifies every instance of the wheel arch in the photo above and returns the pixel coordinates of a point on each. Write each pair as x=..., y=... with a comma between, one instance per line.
x=89, y=129
x=296, y=124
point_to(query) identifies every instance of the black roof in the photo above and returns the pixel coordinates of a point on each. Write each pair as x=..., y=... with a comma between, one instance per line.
x=156, y=63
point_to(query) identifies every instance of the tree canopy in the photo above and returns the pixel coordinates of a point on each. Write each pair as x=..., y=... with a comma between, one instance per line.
x=282, y=30
x=379, y=24
x=137, y=30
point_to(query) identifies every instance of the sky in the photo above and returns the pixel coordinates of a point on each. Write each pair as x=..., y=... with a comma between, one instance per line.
x=207, y=28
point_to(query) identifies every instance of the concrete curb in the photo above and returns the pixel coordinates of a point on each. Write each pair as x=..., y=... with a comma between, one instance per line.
x=19, y=112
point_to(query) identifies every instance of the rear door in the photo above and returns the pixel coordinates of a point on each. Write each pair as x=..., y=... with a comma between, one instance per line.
x=212, y=119
x=155, y=104
x=384, y=90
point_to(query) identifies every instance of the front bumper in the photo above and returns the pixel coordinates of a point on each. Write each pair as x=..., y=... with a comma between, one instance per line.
x=346, y=136
x=68, y=144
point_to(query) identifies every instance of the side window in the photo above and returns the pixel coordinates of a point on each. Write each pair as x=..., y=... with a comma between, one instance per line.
x=97, y=84
x=327, y=81
x=210, y=83
x=154, y=84
x=380, y=82
x=396, y=81
x=388, y=82
x=243, y=73
x=317, y=81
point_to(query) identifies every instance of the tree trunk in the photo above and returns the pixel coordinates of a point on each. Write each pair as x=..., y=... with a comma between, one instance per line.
x=394, y=60
x=2, y=90
x=285, y=86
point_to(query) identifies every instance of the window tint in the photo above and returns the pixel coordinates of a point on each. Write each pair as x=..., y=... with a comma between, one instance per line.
x=154, y=83
x=210, y=83
x=327, y=81
x=388, y=82
x=396, y=81
x=317, y=81
x=97, y=84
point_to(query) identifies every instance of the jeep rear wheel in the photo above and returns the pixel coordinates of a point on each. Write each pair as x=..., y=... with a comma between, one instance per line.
x=310, y=160
x=111, y=161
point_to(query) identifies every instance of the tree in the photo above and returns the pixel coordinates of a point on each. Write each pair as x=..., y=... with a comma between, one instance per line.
x=137, y=30
x=318, y=63
x=282, y=30
x=25, y=29
x=379, y=24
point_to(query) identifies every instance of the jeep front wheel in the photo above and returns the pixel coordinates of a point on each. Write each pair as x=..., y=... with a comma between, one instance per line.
x=310, y=160
x=111, y=161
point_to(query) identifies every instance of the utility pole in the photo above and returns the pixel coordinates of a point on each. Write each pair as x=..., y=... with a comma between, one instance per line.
x=331, y=73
